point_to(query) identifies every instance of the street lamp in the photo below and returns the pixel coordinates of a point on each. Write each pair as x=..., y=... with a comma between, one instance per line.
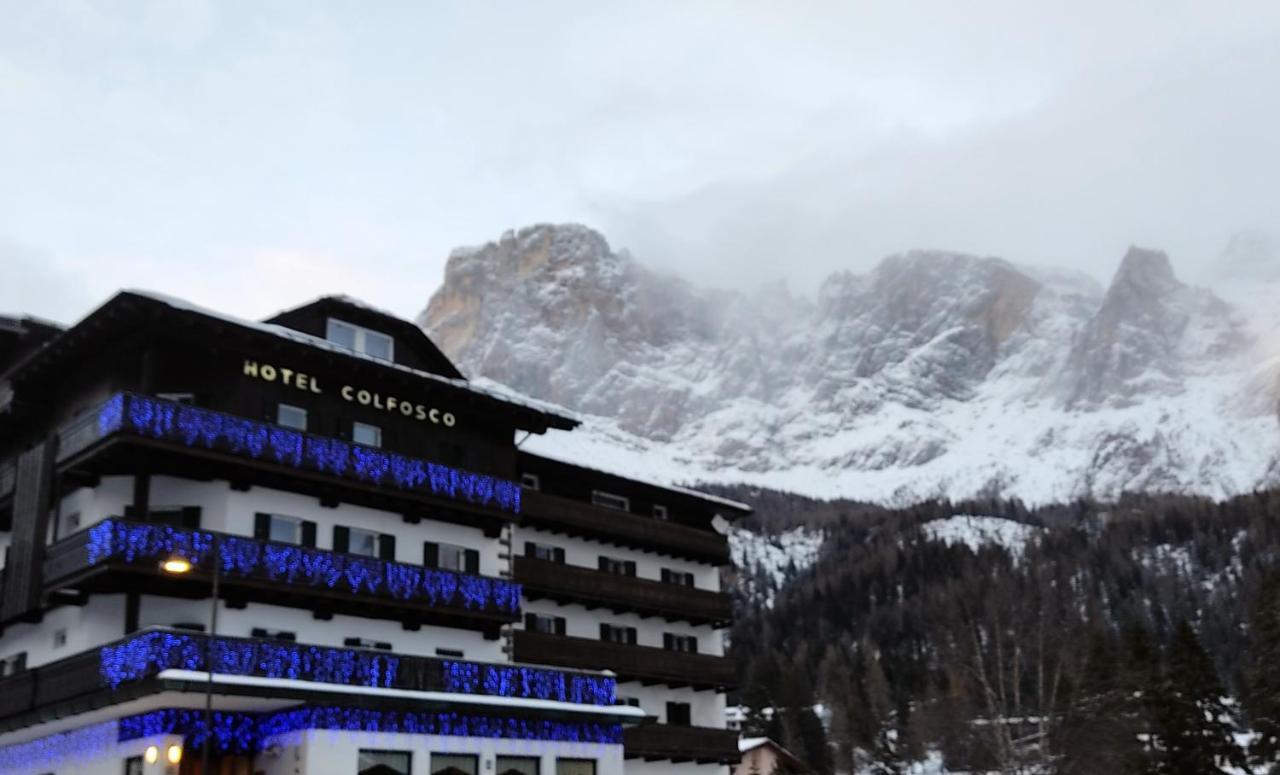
x=178, y=566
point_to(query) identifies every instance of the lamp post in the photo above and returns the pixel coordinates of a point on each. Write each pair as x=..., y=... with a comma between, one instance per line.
x=177, y=566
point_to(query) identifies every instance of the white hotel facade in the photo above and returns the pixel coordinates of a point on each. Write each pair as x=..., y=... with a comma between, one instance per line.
x=400, y=590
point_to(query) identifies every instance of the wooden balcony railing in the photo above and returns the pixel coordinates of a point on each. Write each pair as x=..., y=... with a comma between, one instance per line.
x=703, y=745
x=139, y=658
x=555, y=513
x=227, y=435
x=119, y=555
x=598, y=589
x=631, y=663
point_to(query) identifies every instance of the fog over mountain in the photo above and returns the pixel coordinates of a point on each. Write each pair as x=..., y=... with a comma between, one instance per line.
x=935, y=374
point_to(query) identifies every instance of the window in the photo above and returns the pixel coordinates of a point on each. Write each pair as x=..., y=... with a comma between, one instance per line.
x=575, y=767
x=13, y=665
x=450, y=557
x=59, y=638
x=263, y=632
x=678, y=714
x=178, y=398
x=517, y=765
x=679, y=578
x=360, y=339
x=366, y=434
x=620, y=567
x=291, y=416
x=685, y=643
x=367, y=543
x=367, y=643
x=454, y=764
x=660, y=512
x=286, y=530
x=362, y=542
x=616, y=634
x=544, y=623
x=610, y=501
x=382, y=762
x=631, y=701
x=530, y=481
x=545, y=552
x=133, y=765
x=450, y=653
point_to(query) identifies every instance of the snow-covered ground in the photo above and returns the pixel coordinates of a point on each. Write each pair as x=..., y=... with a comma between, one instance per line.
x=767, y=563
x=976, y=532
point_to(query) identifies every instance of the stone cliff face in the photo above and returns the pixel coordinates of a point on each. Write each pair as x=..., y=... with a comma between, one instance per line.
x=933, y=374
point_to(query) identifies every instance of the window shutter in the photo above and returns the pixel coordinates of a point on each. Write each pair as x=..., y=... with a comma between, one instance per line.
x=631, y=568
x=666, y=576
x=130, y=511
x=692, y=642
x=387, y=547
x=559, y=555
x=191, y=517
x=529, y=551
x=604, y=631
x=559, y=625
x=431, y=554
x=604, y=563
x=341, y=538
x=472, y=560
x=261, y=526
x=529, y=624
x=631, y=636
x=309, y=534
x=666, y=641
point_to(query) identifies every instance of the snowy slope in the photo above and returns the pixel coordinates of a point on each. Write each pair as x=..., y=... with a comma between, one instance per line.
x=936, y=374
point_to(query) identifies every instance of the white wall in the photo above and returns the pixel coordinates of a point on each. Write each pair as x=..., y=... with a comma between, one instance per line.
x=706, y=707
x=166, y=612
x=580, y=622
x=89, y=626
x=231, y=511
x=638, y=767
x=586, y=553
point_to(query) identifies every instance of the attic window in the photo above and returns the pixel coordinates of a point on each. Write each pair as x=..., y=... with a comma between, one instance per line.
x=360, y=339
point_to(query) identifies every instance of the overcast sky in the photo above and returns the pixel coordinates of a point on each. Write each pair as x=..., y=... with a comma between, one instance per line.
x=250, y=155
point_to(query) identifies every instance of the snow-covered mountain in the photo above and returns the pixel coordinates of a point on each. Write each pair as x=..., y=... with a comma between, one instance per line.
x=934, y=375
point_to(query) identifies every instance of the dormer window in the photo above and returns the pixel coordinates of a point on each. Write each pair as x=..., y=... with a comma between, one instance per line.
x=360, y=339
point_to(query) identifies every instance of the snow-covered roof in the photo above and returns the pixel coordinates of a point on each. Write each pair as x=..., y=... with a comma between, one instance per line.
x=726, y=502
x=747, y=743
x=506, y=396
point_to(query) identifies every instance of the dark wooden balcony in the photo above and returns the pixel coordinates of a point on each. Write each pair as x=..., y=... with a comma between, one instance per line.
x=646, y=664
x=563, y=515
x=131, y=667
x=116, y=555
x=620, y=594
x=130, y=433
x=703, y=745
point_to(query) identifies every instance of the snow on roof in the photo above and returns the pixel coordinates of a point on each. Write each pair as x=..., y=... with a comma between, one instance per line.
x=507, y=395
x=706, y=496
x=199, y=676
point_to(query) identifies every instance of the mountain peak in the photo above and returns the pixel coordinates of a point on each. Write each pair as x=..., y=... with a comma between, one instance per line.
x=1145, y=272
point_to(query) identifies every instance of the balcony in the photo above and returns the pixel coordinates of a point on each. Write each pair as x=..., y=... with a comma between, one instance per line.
x=646, y=664
x=703, y=745
x=221, y=445
x=555, y=513
x=620, y=594
x=133, y=667
x=121, y=556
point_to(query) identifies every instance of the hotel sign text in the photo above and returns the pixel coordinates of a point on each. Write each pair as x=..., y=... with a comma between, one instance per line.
x=308, y=383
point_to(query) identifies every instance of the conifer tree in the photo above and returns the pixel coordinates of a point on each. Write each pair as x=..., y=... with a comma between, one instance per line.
x=1193, y=725
x=1262, y=692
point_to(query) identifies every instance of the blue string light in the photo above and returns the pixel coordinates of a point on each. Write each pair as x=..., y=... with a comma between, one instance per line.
x=246, y=733
x=149, y=653
x=196, y=427
x=131, y=542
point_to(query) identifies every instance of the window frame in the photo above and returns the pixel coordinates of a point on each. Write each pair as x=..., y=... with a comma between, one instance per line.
x=431, y=759
x=356, y=425
x=280, y=407
x=407, y=754
x=272, y=519
x=601, y=498
x=359, y=338
x=376, y=537
x=536, y=760
x=660, y=512
x=531, y=482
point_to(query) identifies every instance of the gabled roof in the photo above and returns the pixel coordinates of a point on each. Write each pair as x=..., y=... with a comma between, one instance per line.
x=355, y=311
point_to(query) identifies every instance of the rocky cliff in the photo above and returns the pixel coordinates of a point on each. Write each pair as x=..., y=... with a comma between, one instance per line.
x=935, y=374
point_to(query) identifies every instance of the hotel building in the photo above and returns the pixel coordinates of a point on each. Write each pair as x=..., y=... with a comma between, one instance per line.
x=309, y=546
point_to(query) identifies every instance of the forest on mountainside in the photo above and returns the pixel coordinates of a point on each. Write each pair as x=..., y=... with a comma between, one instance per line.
x=1141, y=636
